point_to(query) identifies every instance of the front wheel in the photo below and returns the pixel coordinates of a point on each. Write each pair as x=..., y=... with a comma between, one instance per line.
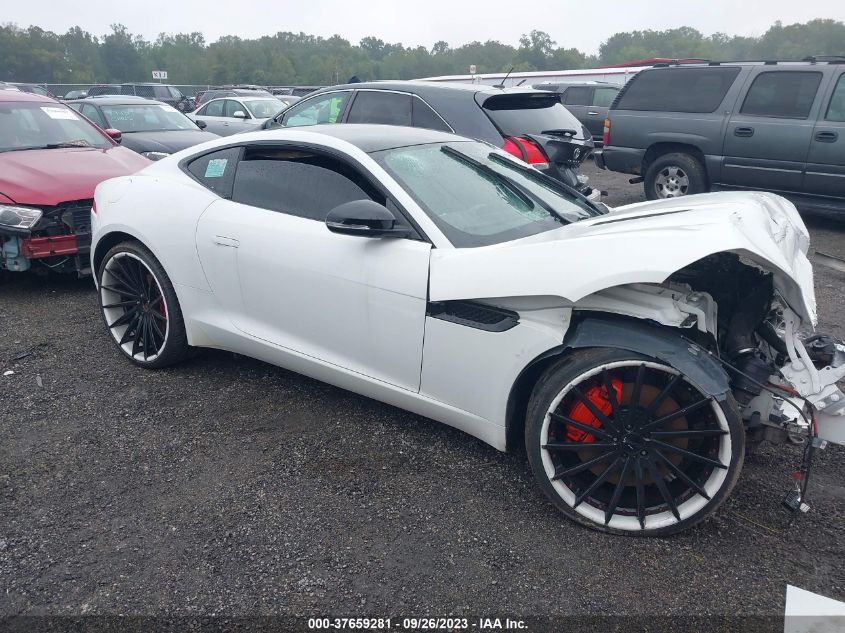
x=140, y=307
x=626, y=444
x=674, y=175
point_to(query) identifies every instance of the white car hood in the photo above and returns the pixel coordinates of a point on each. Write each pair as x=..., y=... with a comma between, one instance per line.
x=638, y=243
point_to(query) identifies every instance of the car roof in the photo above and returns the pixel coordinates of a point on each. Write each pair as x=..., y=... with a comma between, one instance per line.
x=20, y=95
x=374, y=138
x=117, y=100
x=429, y=88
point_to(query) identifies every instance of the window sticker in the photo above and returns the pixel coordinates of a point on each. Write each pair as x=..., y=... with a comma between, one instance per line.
x=59, y=113
x=216, y=167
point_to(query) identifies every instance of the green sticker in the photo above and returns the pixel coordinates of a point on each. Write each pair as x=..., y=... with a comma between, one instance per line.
x=216, y=167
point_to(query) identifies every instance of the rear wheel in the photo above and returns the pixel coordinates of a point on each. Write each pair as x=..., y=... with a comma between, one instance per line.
x=626, y=444
x=674, y=175
x=140, y=307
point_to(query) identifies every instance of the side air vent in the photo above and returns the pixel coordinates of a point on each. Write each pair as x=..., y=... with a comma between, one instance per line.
x=474, y=315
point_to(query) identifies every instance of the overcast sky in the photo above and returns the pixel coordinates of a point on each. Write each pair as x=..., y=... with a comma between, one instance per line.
x=583, y=25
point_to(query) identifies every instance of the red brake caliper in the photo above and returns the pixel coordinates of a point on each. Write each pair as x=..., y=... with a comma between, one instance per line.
x=579, y=412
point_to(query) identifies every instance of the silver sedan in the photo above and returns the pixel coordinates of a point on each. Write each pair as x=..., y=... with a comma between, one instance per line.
x=231, y=115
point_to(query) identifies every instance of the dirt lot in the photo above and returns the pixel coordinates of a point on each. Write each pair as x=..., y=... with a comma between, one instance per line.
x=228, y=486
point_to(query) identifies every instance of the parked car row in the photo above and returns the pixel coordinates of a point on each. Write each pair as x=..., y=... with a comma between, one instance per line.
x=766, y=126
x=530, y=124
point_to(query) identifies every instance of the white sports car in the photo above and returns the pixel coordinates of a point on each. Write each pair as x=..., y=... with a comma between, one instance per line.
x=633, y=351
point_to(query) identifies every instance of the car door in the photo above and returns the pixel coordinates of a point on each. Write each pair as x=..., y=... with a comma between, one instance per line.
x=354, y=302
x=602, y=97
x=768, y=138
x=825, y=174
x=577, y=100
x=327, y=107
x=213, y=116
x=382, y=107
x=236, y=124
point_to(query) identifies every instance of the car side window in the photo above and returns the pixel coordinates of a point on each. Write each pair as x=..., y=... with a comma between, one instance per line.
x=603, y=97
x=299, y=183
x=836, y=107
x=231, y=106
x=387, y=108
x=577, y=95
x=161, y=92
x=782, y=94
x=92, y=113
x=217, y=170
x=323, y=109
x=423, y=116
x=212, y=108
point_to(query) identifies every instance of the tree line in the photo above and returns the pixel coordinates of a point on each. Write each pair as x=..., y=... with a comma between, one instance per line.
x=77, y=56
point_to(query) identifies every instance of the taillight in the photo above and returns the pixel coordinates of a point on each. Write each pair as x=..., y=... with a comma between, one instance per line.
x=606, y=136
x=94, y=207
x=526, y=150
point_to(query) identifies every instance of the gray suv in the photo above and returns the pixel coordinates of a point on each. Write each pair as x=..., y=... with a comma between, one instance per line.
x=587, y=100
x=774, y=126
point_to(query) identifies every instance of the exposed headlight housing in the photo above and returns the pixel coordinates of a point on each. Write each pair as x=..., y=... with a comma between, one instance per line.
x=155, y=155
x=15, y=219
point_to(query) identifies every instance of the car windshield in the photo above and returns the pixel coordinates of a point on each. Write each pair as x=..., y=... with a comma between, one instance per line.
x=478, y=195
x=144, y=117
x=263, y=108
x=43, y=125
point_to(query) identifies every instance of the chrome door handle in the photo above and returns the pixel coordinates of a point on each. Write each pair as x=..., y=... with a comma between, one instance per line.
x=592, y=113
x=826, y=137
x=222, y=240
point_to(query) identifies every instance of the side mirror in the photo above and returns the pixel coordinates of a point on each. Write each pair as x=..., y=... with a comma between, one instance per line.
x=364, y=218
x=114, y=134
x=201, y=124
x=239, y=114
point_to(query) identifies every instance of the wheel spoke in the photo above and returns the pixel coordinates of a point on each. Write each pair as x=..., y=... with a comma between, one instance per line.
x=638, y=473
x=123, y=278
x=658, y=445
x=682, y=475
x=661, y=486
x=574, y=470
x=689, y=433
x=676, y=414
x=121, y=304
x=158, y=315
x=583, y=427
x=636, y=393
x=120, y=291
x=611, y=398
x=157, y=330
x=658, y=400
x=579, y=446
x=136, y=343
x=127, y=335
x=597, y=482
x=124, y=318
x=617, y=492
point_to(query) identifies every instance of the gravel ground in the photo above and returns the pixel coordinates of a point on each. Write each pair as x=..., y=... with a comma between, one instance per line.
x=227, y=486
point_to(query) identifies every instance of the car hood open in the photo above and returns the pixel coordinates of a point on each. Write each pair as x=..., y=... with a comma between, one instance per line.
x=638, y=243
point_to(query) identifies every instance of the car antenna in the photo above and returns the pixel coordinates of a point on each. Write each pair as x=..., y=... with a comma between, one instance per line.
x=504, y=79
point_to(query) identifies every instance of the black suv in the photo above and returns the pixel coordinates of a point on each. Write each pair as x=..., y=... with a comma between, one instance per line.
x=774, y=126
x=158, y=92
x=530, y=124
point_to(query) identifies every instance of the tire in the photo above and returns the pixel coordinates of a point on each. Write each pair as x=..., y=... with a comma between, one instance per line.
x=674, y=175
x=140, y=307
x=674, y=470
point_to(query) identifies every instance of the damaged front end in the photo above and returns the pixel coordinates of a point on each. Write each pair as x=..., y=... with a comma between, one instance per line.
x=42, y=239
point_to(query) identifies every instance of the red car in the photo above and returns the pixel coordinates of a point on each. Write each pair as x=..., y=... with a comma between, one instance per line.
x=50, y=161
